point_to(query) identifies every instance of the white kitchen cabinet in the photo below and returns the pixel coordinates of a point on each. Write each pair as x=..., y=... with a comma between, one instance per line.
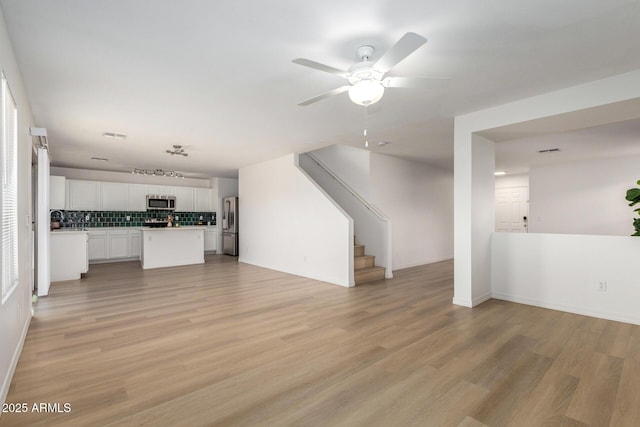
x=68, y=255
x=134, y=243
x=137, y=197
x=156, y=190
x=168, y=190
x=203, y=200
x=114, y=244
x=184, y=199
x=118, y=243
x=57, y=192
x=210, y=240
x=98, y=248
x=84, y=195
x=113, y=196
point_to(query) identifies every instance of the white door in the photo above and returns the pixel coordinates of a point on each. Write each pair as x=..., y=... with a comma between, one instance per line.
x=512, y=209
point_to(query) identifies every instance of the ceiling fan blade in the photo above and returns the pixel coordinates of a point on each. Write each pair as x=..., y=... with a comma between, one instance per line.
x=409, y=82
x=399, y=51
x=324, y=95
x=321, y=67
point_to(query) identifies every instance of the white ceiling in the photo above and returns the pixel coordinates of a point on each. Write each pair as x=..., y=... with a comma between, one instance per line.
x=217, y=78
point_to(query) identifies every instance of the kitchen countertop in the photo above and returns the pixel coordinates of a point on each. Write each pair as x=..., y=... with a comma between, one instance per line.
x=69, y=230
x=182, y=227
x=208, y=227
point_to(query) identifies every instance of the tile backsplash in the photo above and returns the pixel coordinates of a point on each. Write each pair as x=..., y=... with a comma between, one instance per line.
x=135, y=218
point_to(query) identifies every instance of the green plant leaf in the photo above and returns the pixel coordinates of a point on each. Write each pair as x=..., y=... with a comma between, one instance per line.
x=633, y=196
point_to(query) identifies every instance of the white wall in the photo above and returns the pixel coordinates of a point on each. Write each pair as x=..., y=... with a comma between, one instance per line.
x=563, y=272
x=108, y=176
x=227, y=187
x=584, y=197
x=15, y=313
x=350, y=164
x=512, y=181
x=288, y=223
x=418, y=199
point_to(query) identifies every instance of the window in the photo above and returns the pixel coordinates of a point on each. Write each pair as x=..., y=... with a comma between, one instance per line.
x=9, y=199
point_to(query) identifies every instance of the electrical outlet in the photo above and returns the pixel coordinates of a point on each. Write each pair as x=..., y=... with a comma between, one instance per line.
x=602, y=286
x=128, y=217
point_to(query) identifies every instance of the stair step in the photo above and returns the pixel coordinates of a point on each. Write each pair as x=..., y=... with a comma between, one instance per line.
x=370, y=274
x=358, y=250
x=364, y=261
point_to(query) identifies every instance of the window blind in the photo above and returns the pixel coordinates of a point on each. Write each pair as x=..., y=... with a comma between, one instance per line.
x=9, y=199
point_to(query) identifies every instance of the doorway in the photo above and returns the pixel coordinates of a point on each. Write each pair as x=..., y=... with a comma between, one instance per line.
x=512, y=209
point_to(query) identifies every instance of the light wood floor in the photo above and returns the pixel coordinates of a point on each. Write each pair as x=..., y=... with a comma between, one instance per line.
x=227, y=344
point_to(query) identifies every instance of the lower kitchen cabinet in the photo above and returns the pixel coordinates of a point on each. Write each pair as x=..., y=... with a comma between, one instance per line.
x=114, y=244
x=118, y=243
x=98, y=249
x=134, y=243
x=210, y=240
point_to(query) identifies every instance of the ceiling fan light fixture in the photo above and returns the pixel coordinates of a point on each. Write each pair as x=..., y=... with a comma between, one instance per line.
x=366, y=92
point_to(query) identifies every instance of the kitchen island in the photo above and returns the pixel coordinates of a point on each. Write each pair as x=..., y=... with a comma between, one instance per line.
x=172, y=246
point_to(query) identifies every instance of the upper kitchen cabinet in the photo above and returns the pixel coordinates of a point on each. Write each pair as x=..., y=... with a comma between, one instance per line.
x=84, y=195
x=168, y=191
x=114, y=196
x=184, y=199
x=57, y=192
x=161, y=190
x=204, y=200
x=137, y=197
x=156, y=190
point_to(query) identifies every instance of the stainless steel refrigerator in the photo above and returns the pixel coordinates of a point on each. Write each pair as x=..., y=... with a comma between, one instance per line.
x=230, y=226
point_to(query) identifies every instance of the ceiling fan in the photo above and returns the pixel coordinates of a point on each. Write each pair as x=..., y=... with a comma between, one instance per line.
x=177, y=149
x=368, y=79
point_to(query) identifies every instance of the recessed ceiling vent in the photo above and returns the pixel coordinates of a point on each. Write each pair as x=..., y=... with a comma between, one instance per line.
x=549, y=150
x=114, y=135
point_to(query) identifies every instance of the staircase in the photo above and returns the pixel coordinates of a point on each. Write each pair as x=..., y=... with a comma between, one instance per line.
x=364, y=266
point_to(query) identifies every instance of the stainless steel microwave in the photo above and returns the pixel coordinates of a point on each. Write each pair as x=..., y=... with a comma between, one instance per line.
x=161, y=203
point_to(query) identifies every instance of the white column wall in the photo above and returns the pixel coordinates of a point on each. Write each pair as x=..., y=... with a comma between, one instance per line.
x=474, y=217
x=43, y=267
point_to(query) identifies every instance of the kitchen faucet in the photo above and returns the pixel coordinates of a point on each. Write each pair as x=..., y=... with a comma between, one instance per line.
x=59, y=212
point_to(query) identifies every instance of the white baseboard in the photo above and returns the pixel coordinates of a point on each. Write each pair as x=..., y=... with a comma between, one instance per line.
x=482, y=298
x=569, y=309
x=462, y=302
x=330, y=280
x=429, y=261
x=6, y=383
